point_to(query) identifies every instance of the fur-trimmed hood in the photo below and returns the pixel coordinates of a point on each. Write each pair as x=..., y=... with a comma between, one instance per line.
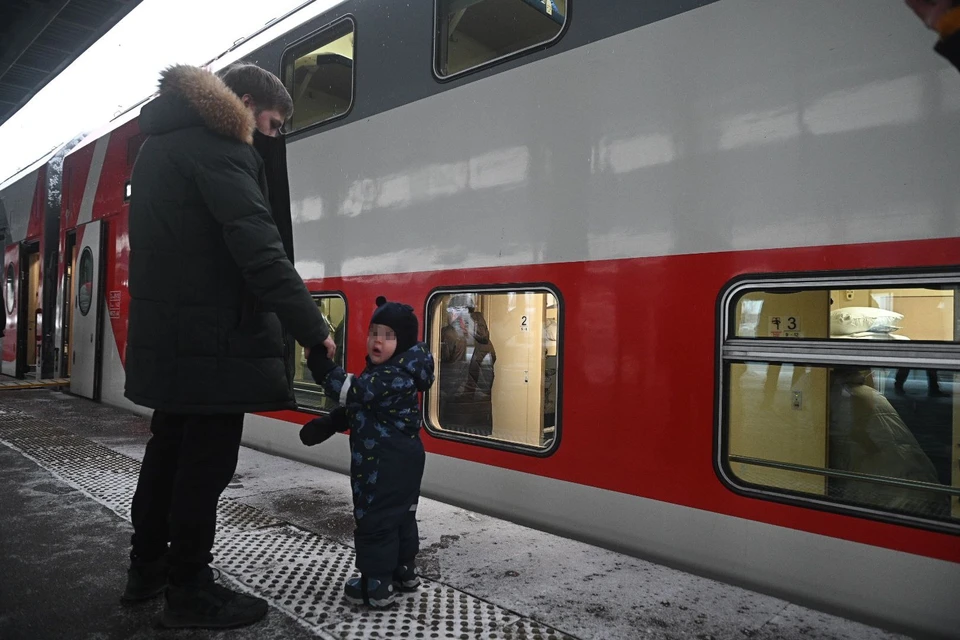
x=191, y=96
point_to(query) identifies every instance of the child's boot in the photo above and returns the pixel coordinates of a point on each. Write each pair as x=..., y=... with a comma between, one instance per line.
x=406, y=578
x=373, y=592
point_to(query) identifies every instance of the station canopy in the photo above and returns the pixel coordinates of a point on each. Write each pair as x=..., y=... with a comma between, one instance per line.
x=40, y=38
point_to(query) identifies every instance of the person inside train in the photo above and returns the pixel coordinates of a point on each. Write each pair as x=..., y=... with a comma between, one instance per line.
x=382, y=411
x=942, y=16
x=933, y=382
x=868, y=436
x=466, y=388
x=212, y=290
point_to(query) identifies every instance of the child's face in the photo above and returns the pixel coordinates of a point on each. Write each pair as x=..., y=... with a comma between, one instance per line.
x=381, y=343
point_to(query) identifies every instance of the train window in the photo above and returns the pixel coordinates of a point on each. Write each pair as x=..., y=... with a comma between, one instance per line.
x=845, y=393
x=11, y=289
x=884, y=313
x=333, y=308
x=497, y=358
x=471, y=33
x=318, y=73
x=85, y=281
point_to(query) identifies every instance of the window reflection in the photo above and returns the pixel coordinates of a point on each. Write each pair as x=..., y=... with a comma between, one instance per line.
x=319, y=76
x=470, y=33
x=845, y=433
x=497, y=370
x=308, y=393
x=869, y=435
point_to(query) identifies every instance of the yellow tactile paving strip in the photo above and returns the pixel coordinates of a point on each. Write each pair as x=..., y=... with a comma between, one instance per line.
x=12, y=384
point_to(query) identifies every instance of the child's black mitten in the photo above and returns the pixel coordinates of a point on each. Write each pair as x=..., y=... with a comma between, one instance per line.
x=317, y=430
x=338, y=418
x=319, y=364
x=320, y=429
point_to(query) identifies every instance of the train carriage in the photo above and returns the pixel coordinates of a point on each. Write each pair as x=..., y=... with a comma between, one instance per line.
x=690, y=272
x=29, y=221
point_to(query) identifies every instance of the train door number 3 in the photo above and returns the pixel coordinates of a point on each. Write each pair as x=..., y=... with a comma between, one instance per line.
x=785, y=327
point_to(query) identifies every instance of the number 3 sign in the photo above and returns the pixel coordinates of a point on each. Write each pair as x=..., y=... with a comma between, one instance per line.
x=785, y=327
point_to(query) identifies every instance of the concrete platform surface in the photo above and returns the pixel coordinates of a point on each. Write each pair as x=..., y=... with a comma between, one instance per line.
x=68, y=470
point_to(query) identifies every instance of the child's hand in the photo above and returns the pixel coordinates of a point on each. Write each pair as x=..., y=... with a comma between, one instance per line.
x=317, y=430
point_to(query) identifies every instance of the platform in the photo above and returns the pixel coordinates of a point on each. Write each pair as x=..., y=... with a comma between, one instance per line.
x=68, y=469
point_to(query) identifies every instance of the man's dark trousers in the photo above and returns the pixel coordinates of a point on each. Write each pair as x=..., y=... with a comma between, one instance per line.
x=188, y=463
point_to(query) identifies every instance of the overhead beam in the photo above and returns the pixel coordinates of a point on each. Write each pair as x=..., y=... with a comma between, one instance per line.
x=32, y=24
x=25, y=31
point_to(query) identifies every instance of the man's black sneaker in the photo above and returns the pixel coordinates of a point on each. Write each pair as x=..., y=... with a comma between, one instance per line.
x=370, y=591
x=406, y=578
x=145, y=580
x=201, y=603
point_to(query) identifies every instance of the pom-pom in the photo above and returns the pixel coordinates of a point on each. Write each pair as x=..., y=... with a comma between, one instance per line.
x=381, y=301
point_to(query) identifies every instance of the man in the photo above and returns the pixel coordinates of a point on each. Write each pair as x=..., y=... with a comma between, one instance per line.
x=942, y=16
x=212, y=290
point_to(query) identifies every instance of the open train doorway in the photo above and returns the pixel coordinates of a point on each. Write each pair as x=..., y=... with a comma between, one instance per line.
x=30, y=324
x=28, y=321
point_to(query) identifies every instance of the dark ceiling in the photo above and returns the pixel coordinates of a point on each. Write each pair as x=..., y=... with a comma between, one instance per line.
x=40, y=38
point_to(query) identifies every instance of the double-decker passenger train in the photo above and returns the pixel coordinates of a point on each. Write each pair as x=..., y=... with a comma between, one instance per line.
x=690, y=271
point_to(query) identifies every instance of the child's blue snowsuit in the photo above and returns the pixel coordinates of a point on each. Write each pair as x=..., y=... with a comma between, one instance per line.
x=383, y=412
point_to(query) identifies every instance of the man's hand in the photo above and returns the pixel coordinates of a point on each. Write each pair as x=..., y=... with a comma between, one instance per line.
x=328, y=344
x=930, y=11
x=331, y=347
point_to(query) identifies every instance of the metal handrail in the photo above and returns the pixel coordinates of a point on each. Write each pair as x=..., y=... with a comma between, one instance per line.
x=849, y=475
x=882, y=354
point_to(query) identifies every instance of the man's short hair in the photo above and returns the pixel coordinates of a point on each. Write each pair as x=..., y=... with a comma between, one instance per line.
x=265, y=88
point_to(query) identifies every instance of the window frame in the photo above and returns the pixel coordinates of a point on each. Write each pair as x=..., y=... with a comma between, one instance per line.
x=489, y=442
x=495, y=61
x=825, y=352
x=320, y=295
x=317, y=35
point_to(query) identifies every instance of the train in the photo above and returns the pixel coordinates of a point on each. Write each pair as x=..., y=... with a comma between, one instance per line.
x=689, y=270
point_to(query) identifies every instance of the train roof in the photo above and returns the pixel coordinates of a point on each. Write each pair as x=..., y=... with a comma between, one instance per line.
x=242, y=47
x=39, y=162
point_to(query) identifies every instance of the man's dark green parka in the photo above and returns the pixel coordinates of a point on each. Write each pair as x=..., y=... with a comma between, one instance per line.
x=210, y=282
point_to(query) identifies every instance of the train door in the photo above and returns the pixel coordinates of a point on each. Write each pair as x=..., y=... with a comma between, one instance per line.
x=517, y=322
x=69, y=303
x=11, y=288
x=87, y=311
x=28, y=328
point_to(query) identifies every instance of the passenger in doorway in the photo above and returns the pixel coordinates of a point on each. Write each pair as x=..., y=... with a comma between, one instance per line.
x=382, y=411
x=212, y=290
x=942, y=16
